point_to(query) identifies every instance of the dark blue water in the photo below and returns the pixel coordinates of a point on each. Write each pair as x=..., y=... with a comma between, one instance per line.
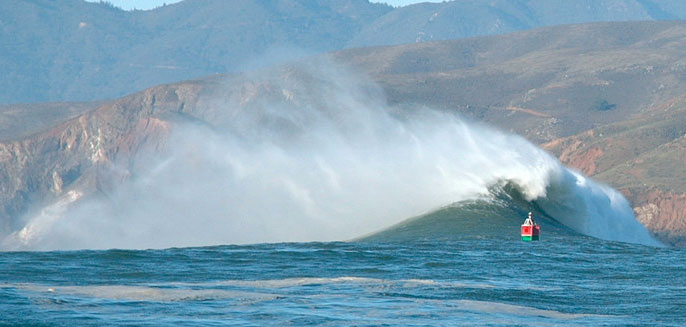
x=559, y=281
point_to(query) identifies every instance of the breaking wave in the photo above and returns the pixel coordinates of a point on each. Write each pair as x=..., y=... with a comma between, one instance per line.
x=315, y=153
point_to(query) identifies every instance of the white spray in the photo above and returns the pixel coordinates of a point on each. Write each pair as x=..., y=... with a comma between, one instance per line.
x=322, y=157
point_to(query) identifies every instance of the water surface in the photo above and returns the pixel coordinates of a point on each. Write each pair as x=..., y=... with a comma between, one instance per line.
x=562, y=280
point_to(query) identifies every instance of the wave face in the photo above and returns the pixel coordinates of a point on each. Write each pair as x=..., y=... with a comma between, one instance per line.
x=500, y=214
x=496, y=217
x=319, y=155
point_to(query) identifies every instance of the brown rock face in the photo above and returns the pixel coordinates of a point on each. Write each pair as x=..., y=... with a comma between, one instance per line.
x=645, y=158
x=90, y=153
x=576, y=155
x=611, y=106
x=662, y=213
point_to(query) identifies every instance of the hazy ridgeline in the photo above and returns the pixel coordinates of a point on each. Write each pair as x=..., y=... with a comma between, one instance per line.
x=315, y=153
x=364, y=187
x=76, y=50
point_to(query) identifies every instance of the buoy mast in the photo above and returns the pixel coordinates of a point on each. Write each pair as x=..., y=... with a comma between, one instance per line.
x=530, y=230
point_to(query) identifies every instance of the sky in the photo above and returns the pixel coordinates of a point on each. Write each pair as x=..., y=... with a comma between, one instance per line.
x=150, y=4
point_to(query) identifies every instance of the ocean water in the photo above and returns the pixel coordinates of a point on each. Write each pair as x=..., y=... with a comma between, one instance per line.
x=320, y=156
x=565, y=279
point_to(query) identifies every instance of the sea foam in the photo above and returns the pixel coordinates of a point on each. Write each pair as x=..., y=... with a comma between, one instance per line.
x=320, y=156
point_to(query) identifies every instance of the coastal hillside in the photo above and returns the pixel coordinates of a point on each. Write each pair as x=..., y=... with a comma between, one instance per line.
x=466, y=18
x=644, y=158
x=543, y=84
x=605, y=98
x=73, y=50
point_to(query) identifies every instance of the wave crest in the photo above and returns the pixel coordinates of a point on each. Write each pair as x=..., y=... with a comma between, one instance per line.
x=322, y=157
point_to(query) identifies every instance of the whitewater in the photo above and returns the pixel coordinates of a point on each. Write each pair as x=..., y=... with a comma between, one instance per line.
x=306, y=200
x=319, y=156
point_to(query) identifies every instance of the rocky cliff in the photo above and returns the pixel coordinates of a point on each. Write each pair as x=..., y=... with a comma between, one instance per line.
x=86, y=154
x=645, y=158
x=607, y=99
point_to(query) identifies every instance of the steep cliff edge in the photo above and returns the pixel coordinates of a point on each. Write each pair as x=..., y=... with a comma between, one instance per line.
x=645, y=159
x=607, y=99
x=87, y=154
x=543, y=84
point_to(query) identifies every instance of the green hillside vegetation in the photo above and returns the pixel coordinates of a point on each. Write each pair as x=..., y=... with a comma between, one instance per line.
x=543, y=84
x=646, y=151
x=72, y=50
x=75, y=50
x=606, y=98
x=653, y=154
x=457, y=19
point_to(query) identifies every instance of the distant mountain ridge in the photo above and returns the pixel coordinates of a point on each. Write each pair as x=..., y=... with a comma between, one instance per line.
x=72, y=50
x=606, y=98
x=466, y=18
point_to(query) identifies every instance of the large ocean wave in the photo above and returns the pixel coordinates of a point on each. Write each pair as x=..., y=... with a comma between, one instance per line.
x=321, y=157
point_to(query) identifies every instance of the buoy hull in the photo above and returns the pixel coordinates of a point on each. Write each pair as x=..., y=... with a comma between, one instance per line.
x=530, y=232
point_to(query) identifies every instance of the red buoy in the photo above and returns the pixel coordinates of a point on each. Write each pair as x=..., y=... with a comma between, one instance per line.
x=530, y=230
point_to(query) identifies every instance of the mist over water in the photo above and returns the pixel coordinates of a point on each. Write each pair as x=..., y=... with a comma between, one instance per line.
x=316, y=154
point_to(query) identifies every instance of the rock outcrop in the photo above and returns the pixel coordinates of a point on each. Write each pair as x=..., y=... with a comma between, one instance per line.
x=90, y=153
x=633, y=139
x=661, y=212
x=645, y=158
